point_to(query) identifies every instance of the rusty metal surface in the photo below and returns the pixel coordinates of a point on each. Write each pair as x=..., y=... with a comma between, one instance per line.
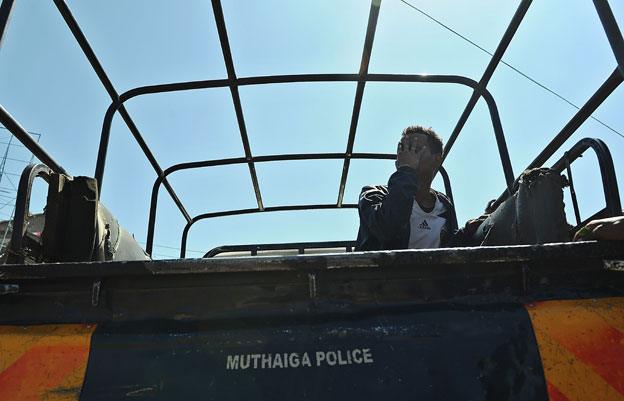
x=287, y=286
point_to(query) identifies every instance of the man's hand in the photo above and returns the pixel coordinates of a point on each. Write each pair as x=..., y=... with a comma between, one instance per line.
x=409, y=152
x=473, y=224
x=611, y=228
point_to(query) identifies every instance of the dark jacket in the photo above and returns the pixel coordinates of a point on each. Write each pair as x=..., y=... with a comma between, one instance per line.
x=385, y=212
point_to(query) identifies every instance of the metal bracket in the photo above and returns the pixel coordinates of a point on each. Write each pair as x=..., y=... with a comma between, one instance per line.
x=312, y=284
x=614, y=265
x=95, y=292
x=9, y=289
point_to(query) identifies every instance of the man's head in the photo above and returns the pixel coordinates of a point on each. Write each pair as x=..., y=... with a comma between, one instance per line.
x=416, y=137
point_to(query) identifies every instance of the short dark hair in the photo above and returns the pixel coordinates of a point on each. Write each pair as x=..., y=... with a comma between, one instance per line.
x=435, y=142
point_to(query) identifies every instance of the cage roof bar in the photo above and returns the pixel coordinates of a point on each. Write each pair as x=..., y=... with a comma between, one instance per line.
x=6, y=119
x=229, y=65
x=24, y=137
x=359, y=93
x=609, y=23
x=605, y=90
x=250, y=211
x=108, y=85
x=6, y=8
x=485, y=79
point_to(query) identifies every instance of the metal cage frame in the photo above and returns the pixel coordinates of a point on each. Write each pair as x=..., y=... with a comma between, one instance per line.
x=233, y=82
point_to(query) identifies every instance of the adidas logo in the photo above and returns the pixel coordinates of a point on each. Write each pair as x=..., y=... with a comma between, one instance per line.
x=424, y=225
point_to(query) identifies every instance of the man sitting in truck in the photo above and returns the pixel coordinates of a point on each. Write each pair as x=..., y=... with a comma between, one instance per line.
x=407, y=213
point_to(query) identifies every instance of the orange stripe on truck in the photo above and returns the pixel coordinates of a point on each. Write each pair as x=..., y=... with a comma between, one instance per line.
x=554, y=394
x=582, y=352
x=45, y=362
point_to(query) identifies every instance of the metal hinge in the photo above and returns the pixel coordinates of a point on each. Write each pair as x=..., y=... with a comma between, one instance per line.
x=614, y=265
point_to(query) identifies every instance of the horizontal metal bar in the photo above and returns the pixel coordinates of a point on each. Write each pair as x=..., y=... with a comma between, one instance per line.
x=24, y=137
x=260, y=159
x=283, y=79
x=256, y=210
x=151, y=225
x=261, y=80
x=421, y=263
x=276, y=247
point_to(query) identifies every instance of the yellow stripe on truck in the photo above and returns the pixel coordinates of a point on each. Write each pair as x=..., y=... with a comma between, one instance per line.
x=582, y=347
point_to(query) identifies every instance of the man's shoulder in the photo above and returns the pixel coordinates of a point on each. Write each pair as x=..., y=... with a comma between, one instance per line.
x=373, y=193
x=375, y=188
x=443, y=198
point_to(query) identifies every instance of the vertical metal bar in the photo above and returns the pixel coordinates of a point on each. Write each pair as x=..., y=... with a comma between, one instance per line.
x=499, y=135
x=612, y=30
x=6, y=8
x=108, y=85
x=185, y=232
x=371, y=28
x=447, y=184
x=512, y=28
x=238, y=108
x=577, y=213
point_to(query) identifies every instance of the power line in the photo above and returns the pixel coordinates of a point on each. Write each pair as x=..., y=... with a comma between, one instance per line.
x=30, y=132
x=466, y=39
x=171, y=247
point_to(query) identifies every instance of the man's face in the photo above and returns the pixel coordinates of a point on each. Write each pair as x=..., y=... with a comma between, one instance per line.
x=429, y=162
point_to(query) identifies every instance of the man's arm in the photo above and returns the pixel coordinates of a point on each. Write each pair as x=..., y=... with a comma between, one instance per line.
x=611, y=228
x=386, y=215
x=464, y=236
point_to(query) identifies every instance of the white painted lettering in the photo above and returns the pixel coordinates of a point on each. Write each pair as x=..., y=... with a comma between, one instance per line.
x=340, y=360
x=232, y=362
x=331, y=358
x=357, y=358
x=320, y=357
x=255, y=358
x=293, y=359
x=266, y=361
x=277, y=361
x=368, y=357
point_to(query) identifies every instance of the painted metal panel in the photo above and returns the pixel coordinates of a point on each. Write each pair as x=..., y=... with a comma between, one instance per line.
x=44, y=362
x=440, y=353
x=581, y=343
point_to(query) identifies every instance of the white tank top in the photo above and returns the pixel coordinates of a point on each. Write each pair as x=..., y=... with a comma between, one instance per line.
x=425, y=228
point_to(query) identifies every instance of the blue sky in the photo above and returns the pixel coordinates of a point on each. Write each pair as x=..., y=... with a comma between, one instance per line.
x=47, y=84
